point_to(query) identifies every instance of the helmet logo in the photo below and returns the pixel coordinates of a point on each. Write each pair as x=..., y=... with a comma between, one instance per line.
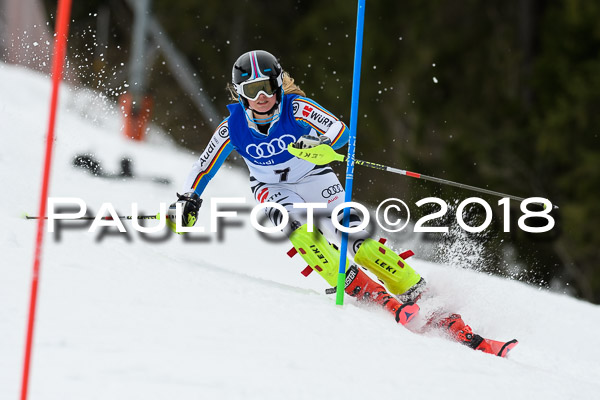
x=255, y=67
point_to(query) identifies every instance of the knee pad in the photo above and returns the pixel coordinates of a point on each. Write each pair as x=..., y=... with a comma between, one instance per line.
x=320, y=255
x=389, y=267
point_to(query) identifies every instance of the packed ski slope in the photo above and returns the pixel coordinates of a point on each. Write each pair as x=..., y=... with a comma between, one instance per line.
x=132, y=316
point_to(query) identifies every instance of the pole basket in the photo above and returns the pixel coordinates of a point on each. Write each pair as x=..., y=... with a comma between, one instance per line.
x=136, y=115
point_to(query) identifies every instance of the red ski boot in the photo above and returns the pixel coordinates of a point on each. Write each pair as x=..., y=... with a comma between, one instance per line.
x=359, y=285
x=457, y=330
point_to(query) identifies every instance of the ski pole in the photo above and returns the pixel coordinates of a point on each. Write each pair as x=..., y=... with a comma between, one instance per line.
x=109, y=218
x=59, y=51
x=358, y=44
x=324, y=154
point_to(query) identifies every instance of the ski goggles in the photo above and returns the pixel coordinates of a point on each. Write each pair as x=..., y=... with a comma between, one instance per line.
x=252, y=89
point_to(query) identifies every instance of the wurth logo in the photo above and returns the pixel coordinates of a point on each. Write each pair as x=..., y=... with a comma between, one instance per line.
x=262, y=196
x=273, y=197
x=321, y=119
x=306, y=110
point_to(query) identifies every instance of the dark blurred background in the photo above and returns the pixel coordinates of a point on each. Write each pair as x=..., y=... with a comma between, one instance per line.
x=503, y=95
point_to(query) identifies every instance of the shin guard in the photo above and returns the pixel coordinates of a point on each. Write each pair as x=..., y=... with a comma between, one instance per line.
x=397, y=276
x=320, y=255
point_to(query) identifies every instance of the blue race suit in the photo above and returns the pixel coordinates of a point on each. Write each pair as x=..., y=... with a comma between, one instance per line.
x=266, y=156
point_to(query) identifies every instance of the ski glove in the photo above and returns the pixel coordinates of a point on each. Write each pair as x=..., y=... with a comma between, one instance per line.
x=190, y=205
x=308, y=141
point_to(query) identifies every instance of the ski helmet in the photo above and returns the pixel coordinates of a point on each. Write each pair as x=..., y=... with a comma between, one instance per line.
x=257, y=72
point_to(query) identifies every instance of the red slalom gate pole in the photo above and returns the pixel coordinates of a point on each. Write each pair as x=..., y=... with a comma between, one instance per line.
x=58, y=60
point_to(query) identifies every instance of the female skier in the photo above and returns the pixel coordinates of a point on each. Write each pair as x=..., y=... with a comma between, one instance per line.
x=272, y=112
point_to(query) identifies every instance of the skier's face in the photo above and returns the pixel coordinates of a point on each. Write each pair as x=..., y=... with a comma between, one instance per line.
x=263, y=103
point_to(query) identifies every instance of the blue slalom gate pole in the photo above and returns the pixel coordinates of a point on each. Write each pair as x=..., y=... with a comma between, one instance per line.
x=360, y=22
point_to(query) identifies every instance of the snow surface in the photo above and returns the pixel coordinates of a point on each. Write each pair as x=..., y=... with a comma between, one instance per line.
x=131, y=316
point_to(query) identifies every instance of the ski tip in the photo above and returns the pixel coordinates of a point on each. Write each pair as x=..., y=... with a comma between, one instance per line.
x=508, y=346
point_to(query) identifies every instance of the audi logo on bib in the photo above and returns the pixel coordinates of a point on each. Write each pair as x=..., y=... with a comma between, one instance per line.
x=270, y=149
x=331, y=190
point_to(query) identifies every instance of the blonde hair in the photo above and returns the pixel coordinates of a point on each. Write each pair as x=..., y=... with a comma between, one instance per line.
x=289, y=87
